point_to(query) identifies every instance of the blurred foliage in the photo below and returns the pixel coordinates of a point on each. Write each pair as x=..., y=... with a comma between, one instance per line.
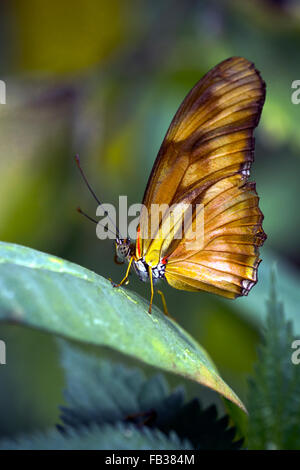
x=104, y=79
x=53, y=45
x=109, y=406
x=274, y=391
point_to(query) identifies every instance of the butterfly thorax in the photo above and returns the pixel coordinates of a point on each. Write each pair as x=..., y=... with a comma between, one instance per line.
x=125, y=250
x=142, y=270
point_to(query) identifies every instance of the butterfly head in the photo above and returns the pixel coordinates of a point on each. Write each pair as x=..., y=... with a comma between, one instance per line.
x=123, y=248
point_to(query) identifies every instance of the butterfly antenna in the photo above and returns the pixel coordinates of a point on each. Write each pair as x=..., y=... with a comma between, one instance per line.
x=93, y=194
x=91, y=219
x=86, y=215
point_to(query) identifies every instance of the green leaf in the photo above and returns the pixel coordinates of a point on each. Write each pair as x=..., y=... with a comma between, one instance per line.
x=100, y=392
x=49, y=293
x=274, y=391
x=203, y=428
x=119, y=437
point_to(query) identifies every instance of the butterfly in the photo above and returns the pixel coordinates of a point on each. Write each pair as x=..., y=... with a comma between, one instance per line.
x=205, y=159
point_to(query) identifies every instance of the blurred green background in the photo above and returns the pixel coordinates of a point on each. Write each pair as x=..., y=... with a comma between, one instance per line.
x=104, y=79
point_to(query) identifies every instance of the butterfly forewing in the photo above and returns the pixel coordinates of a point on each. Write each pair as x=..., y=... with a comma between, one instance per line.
x=205, y=159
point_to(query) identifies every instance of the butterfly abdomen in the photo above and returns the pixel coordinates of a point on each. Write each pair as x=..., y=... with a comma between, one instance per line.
x=142, y=270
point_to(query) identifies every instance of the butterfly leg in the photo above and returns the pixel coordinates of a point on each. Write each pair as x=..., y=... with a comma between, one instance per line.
x=125, y=278
x=151, y=286
x=163, y=299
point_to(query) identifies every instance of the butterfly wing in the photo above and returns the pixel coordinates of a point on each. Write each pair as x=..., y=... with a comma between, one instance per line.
x=205, y=159
x=228, y=261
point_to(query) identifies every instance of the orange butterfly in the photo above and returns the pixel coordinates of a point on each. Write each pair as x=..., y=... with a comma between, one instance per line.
x=205, y=159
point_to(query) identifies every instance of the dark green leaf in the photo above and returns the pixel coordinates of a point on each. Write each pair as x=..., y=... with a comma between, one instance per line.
x=274, y=391
x=99, y=392
x=119, y=437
